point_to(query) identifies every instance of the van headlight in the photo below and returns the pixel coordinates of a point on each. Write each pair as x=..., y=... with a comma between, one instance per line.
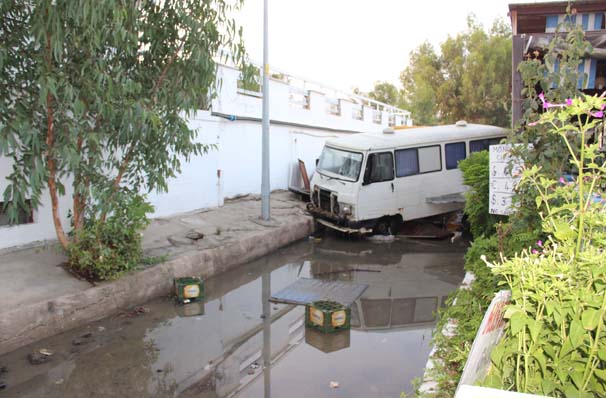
x=336, y=208
x=346, y=209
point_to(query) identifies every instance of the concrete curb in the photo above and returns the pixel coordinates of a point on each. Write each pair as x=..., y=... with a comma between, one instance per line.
x=33, y=322
x=428, y=384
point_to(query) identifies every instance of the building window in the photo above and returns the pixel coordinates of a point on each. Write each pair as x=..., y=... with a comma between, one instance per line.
x=377, y=117
x=357, y=112
x=454, y=153
x=333, y=107
x=25, y=216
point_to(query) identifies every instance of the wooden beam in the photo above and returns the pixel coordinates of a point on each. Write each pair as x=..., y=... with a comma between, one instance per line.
x=517, y=54
x=558, y=7
x=514, y=22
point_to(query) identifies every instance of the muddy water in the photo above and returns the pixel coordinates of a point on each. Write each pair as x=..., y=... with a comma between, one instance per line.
x=216, y=349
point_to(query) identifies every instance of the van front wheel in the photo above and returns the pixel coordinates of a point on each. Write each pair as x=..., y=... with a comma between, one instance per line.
x=387, y=226
x=382, y=227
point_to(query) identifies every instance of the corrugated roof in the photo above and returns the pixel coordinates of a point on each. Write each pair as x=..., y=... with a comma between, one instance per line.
x=416, y=137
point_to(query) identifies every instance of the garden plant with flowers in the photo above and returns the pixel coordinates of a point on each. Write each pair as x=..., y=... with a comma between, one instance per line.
x=555, y=341
x=548, y=91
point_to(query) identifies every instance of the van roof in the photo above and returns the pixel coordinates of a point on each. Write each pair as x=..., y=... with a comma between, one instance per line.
x=416, y=136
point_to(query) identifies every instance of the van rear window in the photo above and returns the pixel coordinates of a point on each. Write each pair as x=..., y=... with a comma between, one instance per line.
x=454, y=152
x=481, y=145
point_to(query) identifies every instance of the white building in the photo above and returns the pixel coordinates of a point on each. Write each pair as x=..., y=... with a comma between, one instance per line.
x=303, y=115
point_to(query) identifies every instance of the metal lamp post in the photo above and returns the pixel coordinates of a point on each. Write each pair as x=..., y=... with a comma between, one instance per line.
x=265, y=129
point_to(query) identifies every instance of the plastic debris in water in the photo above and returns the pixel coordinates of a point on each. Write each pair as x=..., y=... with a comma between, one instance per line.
x=381, y=238
x=45, y=352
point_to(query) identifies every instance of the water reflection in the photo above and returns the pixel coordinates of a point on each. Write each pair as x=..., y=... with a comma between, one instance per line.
x=238, y=344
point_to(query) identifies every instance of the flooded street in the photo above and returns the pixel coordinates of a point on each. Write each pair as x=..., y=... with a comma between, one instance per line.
x=216, y=348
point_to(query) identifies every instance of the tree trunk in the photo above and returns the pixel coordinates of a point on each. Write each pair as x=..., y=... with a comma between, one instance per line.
x=78, y=204
x=50, y=160
x=52, y=170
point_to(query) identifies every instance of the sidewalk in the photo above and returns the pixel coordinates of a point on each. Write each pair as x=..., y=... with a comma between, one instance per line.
x=39, y=298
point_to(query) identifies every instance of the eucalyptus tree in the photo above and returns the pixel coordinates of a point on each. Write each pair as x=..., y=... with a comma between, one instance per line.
x=96, y=94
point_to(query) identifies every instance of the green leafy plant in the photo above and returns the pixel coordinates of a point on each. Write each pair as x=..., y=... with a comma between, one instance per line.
x=107, y=249
x=476, y=176
x=466, y=307
x=250, y=78
x=555, y=340
x=523, y=230
x=153, y=260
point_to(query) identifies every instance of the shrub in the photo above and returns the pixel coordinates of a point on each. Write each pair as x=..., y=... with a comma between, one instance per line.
x=104, y=250
x=476, y=176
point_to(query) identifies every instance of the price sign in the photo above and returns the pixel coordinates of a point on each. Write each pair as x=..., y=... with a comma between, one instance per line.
x=504, y=177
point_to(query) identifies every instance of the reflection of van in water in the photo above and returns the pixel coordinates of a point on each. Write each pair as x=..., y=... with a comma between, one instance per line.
x=371, y=182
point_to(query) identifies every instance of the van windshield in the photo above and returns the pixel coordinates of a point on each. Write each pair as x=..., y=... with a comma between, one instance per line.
x=343, y=163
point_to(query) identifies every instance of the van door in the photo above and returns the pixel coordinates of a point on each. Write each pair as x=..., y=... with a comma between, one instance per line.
x=377, y=196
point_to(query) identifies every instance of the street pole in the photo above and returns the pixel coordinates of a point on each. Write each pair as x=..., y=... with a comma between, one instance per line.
x=265, y=294
x=265, y=130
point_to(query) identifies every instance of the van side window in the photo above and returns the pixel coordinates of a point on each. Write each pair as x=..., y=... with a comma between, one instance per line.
x=454, y=153
x=379, y=167
x=407, y=162
x=418, y=160
x=481, y=145
x=430, y=159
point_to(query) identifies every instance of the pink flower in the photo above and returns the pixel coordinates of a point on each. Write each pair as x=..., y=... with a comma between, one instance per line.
x=598, y=114
x=568, y=101
x=562, y=180
x=534, y=251
x=533, y=123
x=547, y=105
x=540, y=243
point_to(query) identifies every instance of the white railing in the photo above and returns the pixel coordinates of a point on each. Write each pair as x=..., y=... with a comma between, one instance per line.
x=306, y=94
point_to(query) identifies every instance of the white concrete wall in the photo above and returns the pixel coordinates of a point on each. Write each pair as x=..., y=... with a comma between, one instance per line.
x=234, y=167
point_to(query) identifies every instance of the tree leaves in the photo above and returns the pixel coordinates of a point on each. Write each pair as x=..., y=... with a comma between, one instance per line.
x=469, y=80
x=590, y=318
x=118, y=79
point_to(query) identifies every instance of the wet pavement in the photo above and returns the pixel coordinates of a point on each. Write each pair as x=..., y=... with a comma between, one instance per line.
x=217, y=348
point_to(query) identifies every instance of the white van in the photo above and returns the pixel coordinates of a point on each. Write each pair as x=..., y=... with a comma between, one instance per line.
x=371, y=182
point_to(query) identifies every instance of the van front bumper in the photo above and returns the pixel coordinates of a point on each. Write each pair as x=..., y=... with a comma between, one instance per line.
x=337, y=223
x=347, y=230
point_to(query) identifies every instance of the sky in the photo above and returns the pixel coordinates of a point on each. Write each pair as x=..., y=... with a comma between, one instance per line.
x=353, y=43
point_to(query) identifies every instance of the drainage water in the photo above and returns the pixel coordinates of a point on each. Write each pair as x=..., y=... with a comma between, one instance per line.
x=217, y=348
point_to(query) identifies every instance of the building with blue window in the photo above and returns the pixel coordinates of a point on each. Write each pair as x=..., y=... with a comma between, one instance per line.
x=534, y=26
